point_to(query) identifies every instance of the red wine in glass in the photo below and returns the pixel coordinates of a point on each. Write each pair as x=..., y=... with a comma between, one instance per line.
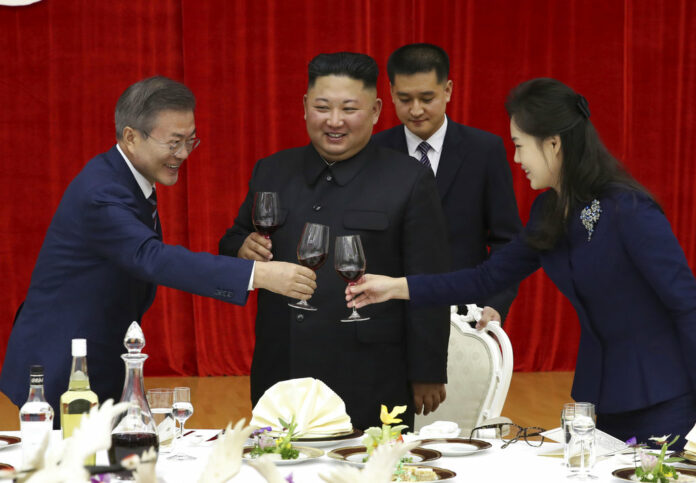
x=266, y=230
x=265, y=214
x=349, y=262
x=351, y=274
x=313, y=261
x=311, y=253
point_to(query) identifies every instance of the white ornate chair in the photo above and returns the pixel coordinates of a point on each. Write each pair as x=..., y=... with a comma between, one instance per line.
x=479, y=370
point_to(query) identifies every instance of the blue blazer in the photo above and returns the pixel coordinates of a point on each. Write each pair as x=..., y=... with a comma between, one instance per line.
x=475, y=187
x=633, y=291
x=97, y=271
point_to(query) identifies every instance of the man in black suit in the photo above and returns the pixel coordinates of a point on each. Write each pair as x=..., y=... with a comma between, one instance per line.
x=472, y=174
x=343, y=180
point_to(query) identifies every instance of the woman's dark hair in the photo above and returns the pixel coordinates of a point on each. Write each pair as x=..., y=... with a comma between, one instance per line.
x=546, y=107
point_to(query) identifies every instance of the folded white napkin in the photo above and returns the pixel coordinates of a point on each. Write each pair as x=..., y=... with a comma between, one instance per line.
x=317, y=409
x=440, y=429
x=690, y=445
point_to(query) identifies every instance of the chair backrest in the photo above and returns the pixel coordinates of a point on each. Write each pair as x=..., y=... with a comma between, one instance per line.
x=479, y=370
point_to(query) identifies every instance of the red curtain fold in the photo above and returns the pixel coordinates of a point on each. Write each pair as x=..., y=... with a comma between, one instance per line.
x=65, y=63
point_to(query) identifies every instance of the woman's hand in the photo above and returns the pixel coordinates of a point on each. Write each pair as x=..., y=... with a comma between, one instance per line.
x=374, y=289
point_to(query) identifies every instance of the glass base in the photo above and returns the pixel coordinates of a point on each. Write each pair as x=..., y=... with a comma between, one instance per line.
x=581, y=476
x=181, y=457
x=355, y=318
x=302, y=305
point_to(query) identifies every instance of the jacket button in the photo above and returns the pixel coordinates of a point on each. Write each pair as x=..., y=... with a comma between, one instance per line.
x=316, y=207
x=300, y=317
x=329, y=177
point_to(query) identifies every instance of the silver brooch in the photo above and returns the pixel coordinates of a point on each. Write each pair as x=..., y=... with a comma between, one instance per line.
x=590, y=216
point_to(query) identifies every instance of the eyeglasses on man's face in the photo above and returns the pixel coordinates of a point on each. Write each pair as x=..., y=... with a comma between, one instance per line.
x=175, y=147
x=532, y=435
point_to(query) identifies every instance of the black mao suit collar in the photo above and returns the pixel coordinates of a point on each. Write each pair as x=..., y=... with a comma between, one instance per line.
x=342, y=171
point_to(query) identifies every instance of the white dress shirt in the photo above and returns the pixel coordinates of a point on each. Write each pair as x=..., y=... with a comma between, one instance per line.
x=436, y=141
x=148, y=188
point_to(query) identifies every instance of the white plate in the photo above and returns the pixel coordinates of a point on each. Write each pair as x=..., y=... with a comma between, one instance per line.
x=322, y=442
x=306, y=454
x=9, y=441
x=355, y=455
x=456, y=446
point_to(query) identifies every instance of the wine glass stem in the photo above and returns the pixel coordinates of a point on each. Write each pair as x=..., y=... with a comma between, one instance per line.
x=353, y=299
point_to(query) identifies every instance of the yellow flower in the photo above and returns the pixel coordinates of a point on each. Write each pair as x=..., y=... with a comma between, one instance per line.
x=390, y=417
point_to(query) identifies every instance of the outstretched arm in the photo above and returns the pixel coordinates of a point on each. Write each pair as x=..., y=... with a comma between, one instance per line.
x=374, y=289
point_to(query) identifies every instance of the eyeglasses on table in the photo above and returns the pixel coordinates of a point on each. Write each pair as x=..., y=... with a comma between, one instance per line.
x=531, y=435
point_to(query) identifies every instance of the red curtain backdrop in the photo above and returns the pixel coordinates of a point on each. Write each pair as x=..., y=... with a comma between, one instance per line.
x=64, y=64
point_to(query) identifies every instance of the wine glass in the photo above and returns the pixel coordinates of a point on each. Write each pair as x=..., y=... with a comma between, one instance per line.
x=349, y=262
x=265, y=214
x=161, y=401
x=182, y=409
x=312, y=252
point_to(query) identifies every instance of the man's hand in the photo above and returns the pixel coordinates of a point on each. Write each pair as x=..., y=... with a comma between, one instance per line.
x=488, y=314
x=256, y=247
x=427, y=396
x=286, y=279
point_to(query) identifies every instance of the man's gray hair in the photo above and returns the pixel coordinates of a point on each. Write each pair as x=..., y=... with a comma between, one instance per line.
x=139, y=105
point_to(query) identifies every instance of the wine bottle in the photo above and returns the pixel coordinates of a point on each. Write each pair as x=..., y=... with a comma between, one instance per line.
x=35, y=418
x=76, y=402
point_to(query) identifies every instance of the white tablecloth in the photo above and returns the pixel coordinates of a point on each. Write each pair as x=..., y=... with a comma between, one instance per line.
x=518, y=462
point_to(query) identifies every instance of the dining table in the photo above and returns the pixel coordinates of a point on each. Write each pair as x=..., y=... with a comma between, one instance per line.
x=517, y=462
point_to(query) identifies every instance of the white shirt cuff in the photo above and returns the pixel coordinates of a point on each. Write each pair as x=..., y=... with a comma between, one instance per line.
x=250, y=288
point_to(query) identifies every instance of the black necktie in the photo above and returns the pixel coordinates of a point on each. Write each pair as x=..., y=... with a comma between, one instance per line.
x=153, y=201
x=424, y=147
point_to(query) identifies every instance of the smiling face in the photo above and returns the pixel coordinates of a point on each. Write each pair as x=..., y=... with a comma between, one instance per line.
x=340, y=113
x=541, y=163
x=420, y=101
x=151, y=155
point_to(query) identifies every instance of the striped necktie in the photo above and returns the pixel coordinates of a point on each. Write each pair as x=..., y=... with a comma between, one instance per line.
x=423, y=148
x=152, y=199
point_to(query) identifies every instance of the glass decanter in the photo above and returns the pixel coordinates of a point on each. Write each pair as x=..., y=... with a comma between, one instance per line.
x=135, y=430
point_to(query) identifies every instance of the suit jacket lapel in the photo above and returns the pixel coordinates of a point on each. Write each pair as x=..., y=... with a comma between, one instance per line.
x=398, y=141
x=450, y=159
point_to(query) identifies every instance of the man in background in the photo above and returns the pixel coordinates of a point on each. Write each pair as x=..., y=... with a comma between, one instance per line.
x=343, y=180
x=472, y=174
x=103, y=255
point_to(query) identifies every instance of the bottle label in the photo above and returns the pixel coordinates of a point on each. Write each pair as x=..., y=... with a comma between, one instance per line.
x=35, y=380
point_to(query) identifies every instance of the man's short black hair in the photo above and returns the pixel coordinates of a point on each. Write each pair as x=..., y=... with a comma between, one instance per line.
x=350, y=64
x=418, y=58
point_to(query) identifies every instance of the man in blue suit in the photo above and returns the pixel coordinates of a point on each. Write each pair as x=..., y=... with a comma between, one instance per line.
x=472, y=174
x=103, y=254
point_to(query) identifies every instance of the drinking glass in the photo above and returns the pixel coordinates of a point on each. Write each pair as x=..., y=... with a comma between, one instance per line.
x=349, y=262
x=161, y=401
x=312, y=252
x=182, y=409
x=567, y=416
x=265, y=214
x=582, y=441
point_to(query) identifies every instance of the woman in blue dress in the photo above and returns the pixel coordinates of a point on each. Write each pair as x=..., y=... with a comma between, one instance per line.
x=606, y=244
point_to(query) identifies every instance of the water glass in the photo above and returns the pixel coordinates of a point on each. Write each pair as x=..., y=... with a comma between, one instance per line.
x=580, y=452
x=160, y=401
x=567, y=415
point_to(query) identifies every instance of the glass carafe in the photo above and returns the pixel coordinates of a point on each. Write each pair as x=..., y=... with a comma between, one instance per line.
x=135, y=430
